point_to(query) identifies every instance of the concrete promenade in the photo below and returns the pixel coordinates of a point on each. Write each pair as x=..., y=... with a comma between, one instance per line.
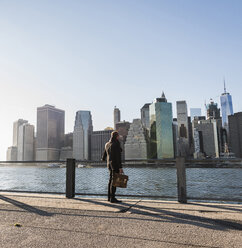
x=41, y=220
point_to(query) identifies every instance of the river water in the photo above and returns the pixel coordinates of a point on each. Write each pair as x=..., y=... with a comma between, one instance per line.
x=202, y=183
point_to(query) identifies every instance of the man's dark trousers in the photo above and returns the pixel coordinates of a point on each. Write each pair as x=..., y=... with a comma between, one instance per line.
x=111, y=188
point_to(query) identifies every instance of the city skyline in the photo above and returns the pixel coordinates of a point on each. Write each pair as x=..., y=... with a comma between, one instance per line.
x=165, y=136
x=114, y=115
x=97, y=55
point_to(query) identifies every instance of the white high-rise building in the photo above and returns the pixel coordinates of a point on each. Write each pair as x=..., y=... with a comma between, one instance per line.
x=82, y=135
x=16, y=126
x=12, y=152
x=25, y=146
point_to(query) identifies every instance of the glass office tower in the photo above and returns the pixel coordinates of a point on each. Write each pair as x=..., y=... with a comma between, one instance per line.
x=226, y=107
x=82, y=135
x=161, y=135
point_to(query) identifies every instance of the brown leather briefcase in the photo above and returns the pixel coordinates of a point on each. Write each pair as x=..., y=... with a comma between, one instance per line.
x=120, y=180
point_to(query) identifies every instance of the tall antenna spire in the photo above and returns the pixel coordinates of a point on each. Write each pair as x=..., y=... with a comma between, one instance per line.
x=224, y=86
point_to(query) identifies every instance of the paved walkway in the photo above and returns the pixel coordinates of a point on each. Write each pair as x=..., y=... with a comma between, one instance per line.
x=41, y=220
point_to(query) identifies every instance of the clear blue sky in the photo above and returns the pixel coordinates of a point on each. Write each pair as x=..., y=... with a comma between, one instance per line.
x=93, y=55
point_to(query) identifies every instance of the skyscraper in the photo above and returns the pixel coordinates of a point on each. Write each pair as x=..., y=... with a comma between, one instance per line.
x=183, y=129
x=50, y=132
x=16, y=126
x=207, y=137
x=26, y=142
x=197, y=140
x=213, y=112
x=116, y=116
x=235, y=133
x=136, y=143
x=226, y=107
x=12, y=152
x=98, y=141
x=123, y=128
x=145, y=115
x=82, y=135
x=175, y=136
x=161, y=134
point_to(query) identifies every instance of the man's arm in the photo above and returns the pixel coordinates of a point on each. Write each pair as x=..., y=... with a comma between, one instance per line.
x=104, y=157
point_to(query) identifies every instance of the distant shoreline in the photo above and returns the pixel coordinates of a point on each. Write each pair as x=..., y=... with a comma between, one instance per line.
x=190, y=163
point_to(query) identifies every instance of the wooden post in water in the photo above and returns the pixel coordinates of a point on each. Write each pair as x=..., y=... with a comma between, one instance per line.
x=70, y=177
x=181, y=180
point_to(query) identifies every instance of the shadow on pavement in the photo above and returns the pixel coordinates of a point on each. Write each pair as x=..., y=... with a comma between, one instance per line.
x=171, y=216
x=24, y=206
x=217, y=206
x=176, y=217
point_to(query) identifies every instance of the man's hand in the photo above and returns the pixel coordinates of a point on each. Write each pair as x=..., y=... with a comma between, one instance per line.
x=121, y=171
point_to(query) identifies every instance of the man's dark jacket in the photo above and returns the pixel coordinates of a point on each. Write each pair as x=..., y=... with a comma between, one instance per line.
x=112, y=153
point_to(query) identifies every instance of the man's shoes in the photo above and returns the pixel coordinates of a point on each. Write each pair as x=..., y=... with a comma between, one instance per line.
x=114, y=200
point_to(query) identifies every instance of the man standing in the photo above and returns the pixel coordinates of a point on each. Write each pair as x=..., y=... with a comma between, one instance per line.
x=112, y=154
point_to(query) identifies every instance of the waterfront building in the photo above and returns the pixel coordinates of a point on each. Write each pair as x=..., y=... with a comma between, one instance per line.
x=183, y=128
x=213, y=112
x=136, y=143
x=226, y=107
x=82, y=135
x=116, y=116
x=197, y=148
x=16, y=126
x=145, y=115
x=50, y=132
x=208, y=133
x=98, y=141
x=195, y=112
x=161, y=134
x=235, y=133
x=197, y=138
x=175, y=136
x=12, y=152
x=190, y=132
x=123, y=128
x=25, y=148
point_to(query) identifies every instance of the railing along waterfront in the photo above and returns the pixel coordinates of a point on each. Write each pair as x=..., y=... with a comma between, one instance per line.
x=33, y=176
x=147, y=179
x=213, y=180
